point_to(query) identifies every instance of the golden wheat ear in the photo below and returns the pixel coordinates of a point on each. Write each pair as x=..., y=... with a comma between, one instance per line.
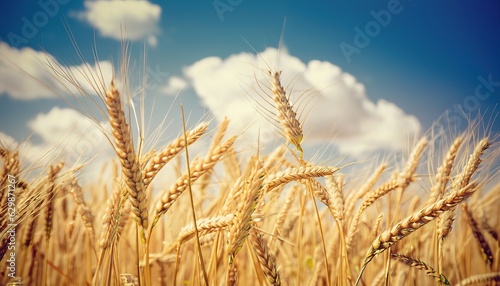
x=410, y=224
x=287, y=117
x=124, y=148
x=420, y=265
x=266, y=260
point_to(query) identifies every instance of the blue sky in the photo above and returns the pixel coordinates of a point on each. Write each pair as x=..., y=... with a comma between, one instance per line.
x=402, y=63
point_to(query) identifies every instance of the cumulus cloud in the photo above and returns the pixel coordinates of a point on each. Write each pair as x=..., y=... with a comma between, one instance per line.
x=174, y=85
x=68, y=125
x=132, y=20
x=7, y=141
x=336, y=107
x=77, y=138
x=63, y=134
x=16, y=66
x=25, y=74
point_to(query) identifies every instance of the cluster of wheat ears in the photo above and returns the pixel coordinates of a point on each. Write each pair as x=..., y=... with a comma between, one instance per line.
x=263, y=219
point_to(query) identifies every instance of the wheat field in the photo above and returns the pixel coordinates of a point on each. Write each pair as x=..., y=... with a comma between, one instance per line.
x=270, y=216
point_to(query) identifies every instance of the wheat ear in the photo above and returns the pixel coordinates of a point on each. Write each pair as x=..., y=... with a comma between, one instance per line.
x=176, y=146
x=414, y=222
x=461, y=181
x=49, y=199
x=443, y=173
x=217, y=139
x=285, y=113
x=124, y=148
x=9, y=169
x=371, y=198
x=478, y=235
x=472, y=165
x=296, y=174
x=266, y=260
x=363, y=190
x=417, y=264
x=488, y=277
x=335, y=189
x=199, y=168
x=239, y=230
x=205, y=226
x=85, y=212
x=111, y=218
x=282, y=215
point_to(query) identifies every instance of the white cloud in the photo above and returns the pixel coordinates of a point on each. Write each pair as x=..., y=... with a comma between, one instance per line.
x=7, y=141
x=76, y=136
x=132, y=20
x=339, y=111
x=25, y=75
x=64, y=135
x=174, y=85
x=15, y=65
